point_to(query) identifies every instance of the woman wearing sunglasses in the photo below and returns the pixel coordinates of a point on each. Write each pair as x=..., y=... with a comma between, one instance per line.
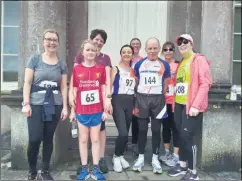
x=193, y=81
x=168, y=50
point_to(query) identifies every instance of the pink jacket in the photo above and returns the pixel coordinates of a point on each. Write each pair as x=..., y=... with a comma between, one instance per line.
x=200, y=83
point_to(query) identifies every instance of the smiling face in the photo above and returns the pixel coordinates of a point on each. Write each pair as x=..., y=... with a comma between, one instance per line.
x=136, y=46
x=168, y=52
x=89, y=52
x=184, y=45
x=126, y=54
x=50, y=42
x=98, y=40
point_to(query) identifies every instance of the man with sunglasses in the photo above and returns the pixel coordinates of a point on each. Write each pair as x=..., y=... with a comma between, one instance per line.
x=193, y=81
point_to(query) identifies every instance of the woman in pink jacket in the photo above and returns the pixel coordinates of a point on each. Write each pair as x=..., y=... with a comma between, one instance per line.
x=193, y=81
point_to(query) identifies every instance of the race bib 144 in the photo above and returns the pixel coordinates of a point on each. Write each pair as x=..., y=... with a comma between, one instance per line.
x=150, y=79
x=90, y=97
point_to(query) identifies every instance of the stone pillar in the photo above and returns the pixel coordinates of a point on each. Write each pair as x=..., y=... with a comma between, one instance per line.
x=184, y=17
x=77, y=29
x=36, y=16
x=217, y=38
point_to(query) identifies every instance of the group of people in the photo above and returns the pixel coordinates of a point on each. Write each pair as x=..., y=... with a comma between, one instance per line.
x=138, y=91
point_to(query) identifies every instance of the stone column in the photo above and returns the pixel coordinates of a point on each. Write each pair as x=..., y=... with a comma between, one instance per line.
x=77, y=28
x=184, y=17
x=217, y=38
x=36, y=16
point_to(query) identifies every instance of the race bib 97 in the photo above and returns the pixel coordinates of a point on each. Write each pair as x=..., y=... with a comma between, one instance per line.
x=181, y=89
x=90, y=97
x=129, y=82
x=150, y=80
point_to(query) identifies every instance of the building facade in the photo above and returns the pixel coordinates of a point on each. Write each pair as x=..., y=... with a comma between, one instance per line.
x=215, y=27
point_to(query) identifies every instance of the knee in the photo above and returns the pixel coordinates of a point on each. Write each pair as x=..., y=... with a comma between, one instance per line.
x=156, y=130
x=95, y=140
x=83, y=139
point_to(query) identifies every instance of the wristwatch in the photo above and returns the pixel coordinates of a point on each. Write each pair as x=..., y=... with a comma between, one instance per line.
x=25, y=103
x=109, y=96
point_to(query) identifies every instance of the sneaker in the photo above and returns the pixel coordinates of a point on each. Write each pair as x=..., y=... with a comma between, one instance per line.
x=79, y=169
x=84, y=175
x=139, y=164
x=103, y=165
x=165, y=157
x=32, y=176
x=172, y=161
x=156, y=166
x=97, y=174
x=135, y=149
x=190, y=176
x=177, y=170
x=117, y=167
x=124, y=163
x=44, y=175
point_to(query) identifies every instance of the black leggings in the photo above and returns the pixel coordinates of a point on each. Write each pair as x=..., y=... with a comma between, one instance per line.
x=38, y=131
x=122, y=116
x=156, y=137
x=170, y=127
x=189, y=127
x=135, y=130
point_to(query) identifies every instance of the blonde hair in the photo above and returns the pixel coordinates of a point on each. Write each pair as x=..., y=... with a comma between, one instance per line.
x=51, y=31
x=85, y=42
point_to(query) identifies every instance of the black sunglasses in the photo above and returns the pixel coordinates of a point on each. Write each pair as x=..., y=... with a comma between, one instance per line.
x=166, y=49
x=182, y=40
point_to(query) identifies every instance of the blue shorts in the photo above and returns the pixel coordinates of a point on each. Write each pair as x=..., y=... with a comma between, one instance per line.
x=90, y=120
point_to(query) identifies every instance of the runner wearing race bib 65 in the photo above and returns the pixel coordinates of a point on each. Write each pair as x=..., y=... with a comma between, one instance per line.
x=89, y=81
x=153, y=75
x=193, y=81
x=123, y=80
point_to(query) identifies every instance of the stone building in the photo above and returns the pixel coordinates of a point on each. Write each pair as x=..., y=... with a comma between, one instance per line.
x=214, y=25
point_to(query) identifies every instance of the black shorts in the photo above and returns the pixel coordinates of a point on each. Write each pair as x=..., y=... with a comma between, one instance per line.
x=150, y=105
x=102, y=126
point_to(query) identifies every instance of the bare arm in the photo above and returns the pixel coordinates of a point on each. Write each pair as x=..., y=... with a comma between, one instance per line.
x=28, y=79
x=113, y=74
x=71, y=96
x=64, y=90
x=108, y=81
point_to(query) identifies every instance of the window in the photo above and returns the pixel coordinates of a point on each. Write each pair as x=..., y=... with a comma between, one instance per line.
x=237, y=44
x=10, y=18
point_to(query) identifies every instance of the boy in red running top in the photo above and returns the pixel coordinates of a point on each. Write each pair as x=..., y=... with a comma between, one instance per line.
x=89, y=81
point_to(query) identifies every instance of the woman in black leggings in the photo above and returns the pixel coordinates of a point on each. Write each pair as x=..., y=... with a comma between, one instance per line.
x=123, y=81
x=169, y=127
x=44, y=102
x=135, y=43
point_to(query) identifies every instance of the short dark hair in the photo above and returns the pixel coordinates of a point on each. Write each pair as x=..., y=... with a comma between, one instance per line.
x=127, y=46
x=135, y=39
x=168, y=43
x=100, y=32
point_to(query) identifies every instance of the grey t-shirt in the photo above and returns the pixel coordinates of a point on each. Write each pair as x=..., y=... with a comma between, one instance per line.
x=46, y=75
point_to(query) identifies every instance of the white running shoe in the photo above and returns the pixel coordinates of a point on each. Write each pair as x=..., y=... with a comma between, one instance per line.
x=156, y=166
x=124, y=162
x=117, y=167
x=139, y=164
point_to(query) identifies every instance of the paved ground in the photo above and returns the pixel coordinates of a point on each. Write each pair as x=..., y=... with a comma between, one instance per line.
x=67, y=171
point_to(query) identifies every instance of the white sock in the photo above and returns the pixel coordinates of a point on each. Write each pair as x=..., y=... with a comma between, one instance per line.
x=194, y=171
x=155, y=157
x=141, y=156
x=183, y=164
x=176, y=155
x=167, y=150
